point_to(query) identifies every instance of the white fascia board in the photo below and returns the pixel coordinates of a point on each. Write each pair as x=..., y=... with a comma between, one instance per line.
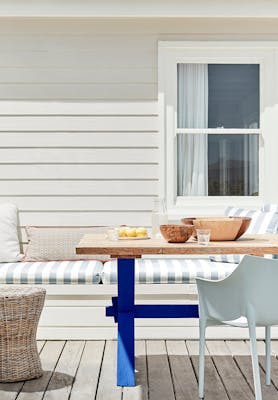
x=139, y=8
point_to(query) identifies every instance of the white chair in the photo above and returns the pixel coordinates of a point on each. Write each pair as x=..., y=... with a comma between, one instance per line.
x=247, y=298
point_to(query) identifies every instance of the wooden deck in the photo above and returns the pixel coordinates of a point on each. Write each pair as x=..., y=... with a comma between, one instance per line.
x=167, y=370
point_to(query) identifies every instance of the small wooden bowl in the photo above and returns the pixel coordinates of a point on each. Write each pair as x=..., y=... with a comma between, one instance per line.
x=176, y=233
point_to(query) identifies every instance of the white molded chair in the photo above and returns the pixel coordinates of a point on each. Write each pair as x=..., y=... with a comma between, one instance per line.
x=247, y=298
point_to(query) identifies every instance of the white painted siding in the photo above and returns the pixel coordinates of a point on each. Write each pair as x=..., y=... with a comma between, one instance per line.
x=79, y=141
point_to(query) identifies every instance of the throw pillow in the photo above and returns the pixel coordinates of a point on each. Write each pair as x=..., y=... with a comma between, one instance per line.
x=262, y=222
x=9, y=243
x=270, y=207
x=58, y=243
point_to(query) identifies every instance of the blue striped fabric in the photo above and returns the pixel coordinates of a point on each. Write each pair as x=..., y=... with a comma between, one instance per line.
x=262, y=222
x=51, y=272
x=169, y=270
x=270, y=207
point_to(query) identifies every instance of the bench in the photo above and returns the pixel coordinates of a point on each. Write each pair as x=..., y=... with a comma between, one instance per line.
x=79, y=291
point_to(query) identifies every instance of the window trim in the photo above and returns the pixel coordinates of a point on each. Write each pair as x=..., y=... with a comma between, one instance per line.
x=169, y=55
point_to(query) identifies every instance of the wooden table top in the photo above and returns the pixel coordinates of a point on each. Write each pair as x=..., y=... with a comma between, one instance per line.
x=248, y=244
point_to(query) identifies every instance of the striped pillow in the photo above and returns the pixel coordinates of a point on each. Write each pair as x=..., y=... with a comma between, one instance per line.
x=262, y=222
x=270, y=207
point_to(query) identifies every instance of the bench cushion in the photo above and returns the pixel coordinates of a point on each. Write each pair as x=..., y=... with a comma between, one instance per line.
x=51, y=272
x=169, y=270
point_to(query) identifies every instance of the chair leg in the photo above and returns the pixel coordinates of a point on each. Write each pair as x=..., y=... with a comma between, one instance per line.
x=267, y=354
x=255, y=362
x=202, y=342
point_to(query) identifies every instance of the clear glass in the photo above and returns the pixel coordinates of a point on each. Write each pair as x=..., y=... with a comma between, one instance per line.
x=112, y=234
x=203, y=236
x=234, y=96
x=231, y=168
x=228, y=93
x=233, y=165
x=159, y=216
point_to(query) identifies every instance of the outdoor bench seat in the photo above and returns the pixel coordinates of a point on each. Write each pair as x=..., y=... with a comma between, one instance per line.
x=51, y=272
x=169, y=271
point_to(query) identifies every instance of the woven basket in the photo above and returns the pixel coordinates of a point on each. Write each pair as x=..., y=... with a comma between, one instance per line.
x=20, y=310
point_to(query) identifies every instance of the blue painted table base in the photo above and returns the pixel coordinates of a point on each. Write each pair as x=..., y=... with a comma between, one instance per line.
x=124, y=311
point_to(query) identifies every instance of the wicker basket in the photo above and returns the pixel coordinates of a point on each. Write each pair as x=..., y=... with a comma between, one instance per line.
x=20, y=310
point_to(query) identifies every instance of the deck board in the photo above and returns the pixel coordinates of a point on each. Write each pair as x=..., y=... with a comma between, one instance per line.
x=9, y=391
x=35, y=388
x=160, y=379
x=60, y=384
x=165, y=370
x=233, y=381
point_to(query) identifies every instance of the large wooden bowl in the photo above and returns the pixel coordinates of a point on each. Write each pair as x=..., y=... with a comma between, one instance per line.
x=220, y=229
x=245, y=223
x=219, y=224
x=176, y=233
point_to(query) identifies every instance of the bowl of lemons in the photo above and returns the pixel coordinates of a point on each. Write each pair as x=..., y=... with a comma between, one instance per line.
x=126, y=232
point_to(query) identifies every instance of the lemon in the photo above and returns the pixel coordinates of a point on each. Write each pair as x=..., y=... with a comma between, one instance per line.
x=141, y=232
x=131, y=232
x=122, y=232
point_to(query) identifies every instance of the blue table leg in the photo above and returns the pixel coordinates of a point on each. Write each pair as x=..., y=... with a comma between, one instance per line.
x=125, y=361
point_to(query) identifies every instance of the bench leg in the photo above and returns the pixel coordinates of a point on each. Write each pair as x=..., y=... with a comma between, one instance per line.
x=125, y=359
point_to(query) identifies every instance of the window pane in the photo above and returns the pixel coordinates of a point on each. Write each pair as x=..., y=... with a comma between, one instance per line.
x=218, y=96
x=233, y=96
x=218, y=165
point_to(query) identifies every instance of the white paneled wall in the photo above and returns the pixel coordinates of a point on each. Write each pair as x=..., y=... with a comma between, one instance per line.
x=65, y=164
x=78, y=127
x=79, y=142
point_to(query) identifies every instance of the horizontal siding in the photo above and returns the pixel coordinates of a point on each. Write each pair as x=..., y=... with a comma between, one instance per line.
x=65, y=164
x=78, y=108
x=79, y=155
x=79, y=187
x=80, y=123
x=79, y=172
x=49, y=91
x=83, y=203
x=79, y=141
x=83, y=218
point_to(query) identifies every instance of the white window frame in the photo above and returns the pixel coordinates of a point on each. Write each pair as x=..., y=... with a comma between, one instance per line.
x=169, y=55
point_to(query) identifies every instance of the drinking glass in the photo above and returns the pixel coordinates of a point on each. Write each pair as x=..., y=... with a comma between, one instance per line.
x=159, y=216
x=203, y=236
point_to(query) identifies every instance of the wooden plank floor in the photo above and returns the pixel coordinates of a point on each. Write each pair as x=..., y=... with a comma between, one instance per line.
x=166, y=370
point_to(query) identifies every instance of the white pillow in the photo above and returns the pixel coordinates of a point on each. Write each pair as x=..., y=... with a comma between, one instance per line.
x=9, y=244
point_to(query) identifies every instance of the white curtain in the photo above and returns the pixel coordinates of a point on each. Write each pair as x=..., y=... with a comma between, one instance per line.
x=192, y=113
x=251, y=165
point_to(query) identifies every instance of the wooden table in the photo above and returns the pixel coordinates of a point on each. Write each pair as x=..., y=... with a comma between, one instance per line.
x=123, y=308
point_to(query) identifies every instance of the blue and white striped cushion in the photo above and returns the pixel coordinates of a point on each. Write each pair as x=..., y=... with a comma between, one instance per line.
x=52, y=272
x=270, y=207
x=262, y=222
x=169, y=270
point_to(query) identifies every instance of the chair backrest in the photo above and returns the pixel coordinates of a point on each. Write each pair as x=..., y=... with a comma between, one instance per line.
x=259, y=282
x=251, y=289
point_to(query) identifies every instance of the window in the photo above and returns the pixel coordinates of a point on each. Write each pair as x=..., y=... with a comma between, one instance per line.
x=217, y=96
x=217, y=106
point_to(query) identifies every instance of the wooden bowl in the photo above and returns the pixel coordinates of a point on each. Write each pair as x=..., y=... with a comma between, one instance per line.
x=176, y=233
x=221, y=229
x=189, y=221
x=245, y=223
